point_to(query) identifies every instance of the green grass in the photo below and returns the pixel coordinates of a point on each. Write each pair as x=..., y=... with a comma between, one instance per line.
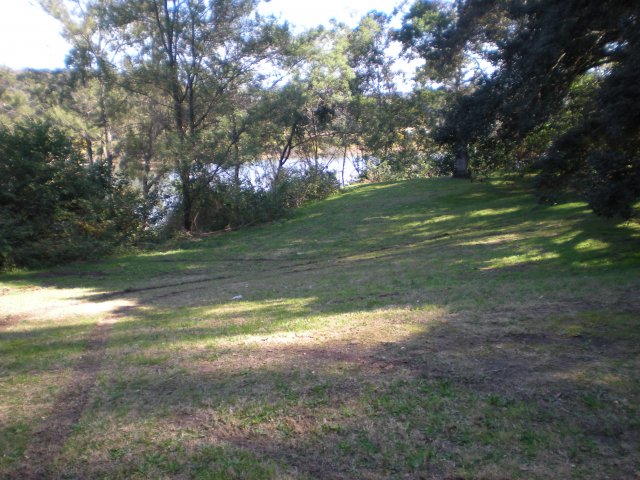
x=420, y=329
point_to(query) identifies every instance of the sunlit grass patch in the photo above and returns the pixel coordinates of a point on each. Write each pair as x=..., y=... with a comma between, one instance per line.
x=532, y=256
x=591, y=245
x=494, y=239
x=490, y=212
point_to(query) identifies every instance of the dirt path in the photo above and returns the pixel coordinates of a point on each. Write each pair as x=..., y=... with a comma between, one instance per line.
x=50, y=436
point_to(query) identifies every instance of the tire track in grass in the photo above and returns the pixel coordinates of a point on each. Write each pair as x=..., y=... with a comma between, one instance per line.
x=296, y=265
x=49, y=438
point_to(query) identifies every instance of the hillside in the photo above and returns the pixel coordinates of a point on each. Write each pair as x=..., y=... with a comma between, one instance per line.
x=422, y=329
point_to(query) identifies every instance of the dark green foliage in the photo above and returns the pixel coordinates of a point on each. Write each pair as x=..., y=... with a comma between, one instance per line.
x=53, y=207
x=223, y=204
x=603, y=148
x=296, y=187
x=541, y=52
x=394, y=136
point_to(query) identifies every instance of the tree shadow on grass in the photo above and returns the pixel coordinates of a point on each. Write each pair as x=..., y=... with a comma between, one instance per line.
x=497, y=378
x=451, y=401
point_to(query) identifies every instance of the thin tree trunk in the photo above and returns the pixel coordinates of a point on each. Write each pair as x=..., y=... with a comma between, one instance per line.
x=89, y=149
x=236, y=176
x=146, y=190
x=166, y=22
x=316, y=147
x=186, y=202
x=106, y=128
x=461, y=167
x=344, y=163
x=286, y=151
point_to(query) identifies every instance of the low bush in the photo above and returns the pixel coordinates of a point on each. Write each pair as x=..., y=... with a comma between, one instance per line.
x=53, y=207
x=224, y=204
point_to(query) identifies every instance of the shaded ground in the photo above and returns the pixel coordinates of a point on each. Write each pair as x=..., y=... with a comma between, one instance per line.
x=53, y=431
x=428, y=329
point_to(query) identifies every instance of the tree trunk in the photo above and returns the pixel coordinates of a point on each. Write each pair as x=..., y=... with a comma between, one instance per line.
x=344, y=163
x=187, y=221
x=146, y=190
x=89, y=149
x=236, y=176
x=461, y=167
x=106, y=127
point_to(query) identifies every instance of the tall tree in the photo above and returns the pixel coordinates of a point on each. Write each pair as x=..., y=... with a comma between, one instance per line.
x=198, y=54
x=92, y=93
x=299, y=115
x=543, y=49
x=452, y=62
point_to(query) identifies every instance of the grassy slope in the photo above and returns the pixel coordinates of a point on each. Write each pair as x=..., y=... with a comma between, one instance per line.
x=423, y=329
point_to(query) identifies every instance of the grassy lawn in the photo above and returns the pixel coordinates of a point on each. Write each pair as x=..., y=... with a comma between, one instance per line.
x=420, y=329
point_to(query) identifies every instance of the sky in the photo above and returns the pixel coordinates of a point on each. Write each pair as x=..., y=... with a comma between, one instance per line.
x=29, y=38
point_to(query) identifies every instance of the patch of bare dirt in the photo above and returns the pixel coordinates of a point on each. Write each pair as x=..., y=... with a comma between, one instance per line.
x=9, y=320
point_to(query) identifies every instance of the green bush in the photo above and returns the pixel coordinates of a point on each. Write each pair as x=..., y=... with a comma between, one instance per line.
x=297, y=187
x=53, y=207
x=222, y=204
x=404, y=165
x=227, y=205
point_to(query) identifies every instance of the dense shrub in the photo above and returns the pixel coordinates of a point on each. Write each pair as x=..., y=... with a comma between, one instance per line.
x=53, y=207
x=297, y=187
x=403, y=165
x=224, y=204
